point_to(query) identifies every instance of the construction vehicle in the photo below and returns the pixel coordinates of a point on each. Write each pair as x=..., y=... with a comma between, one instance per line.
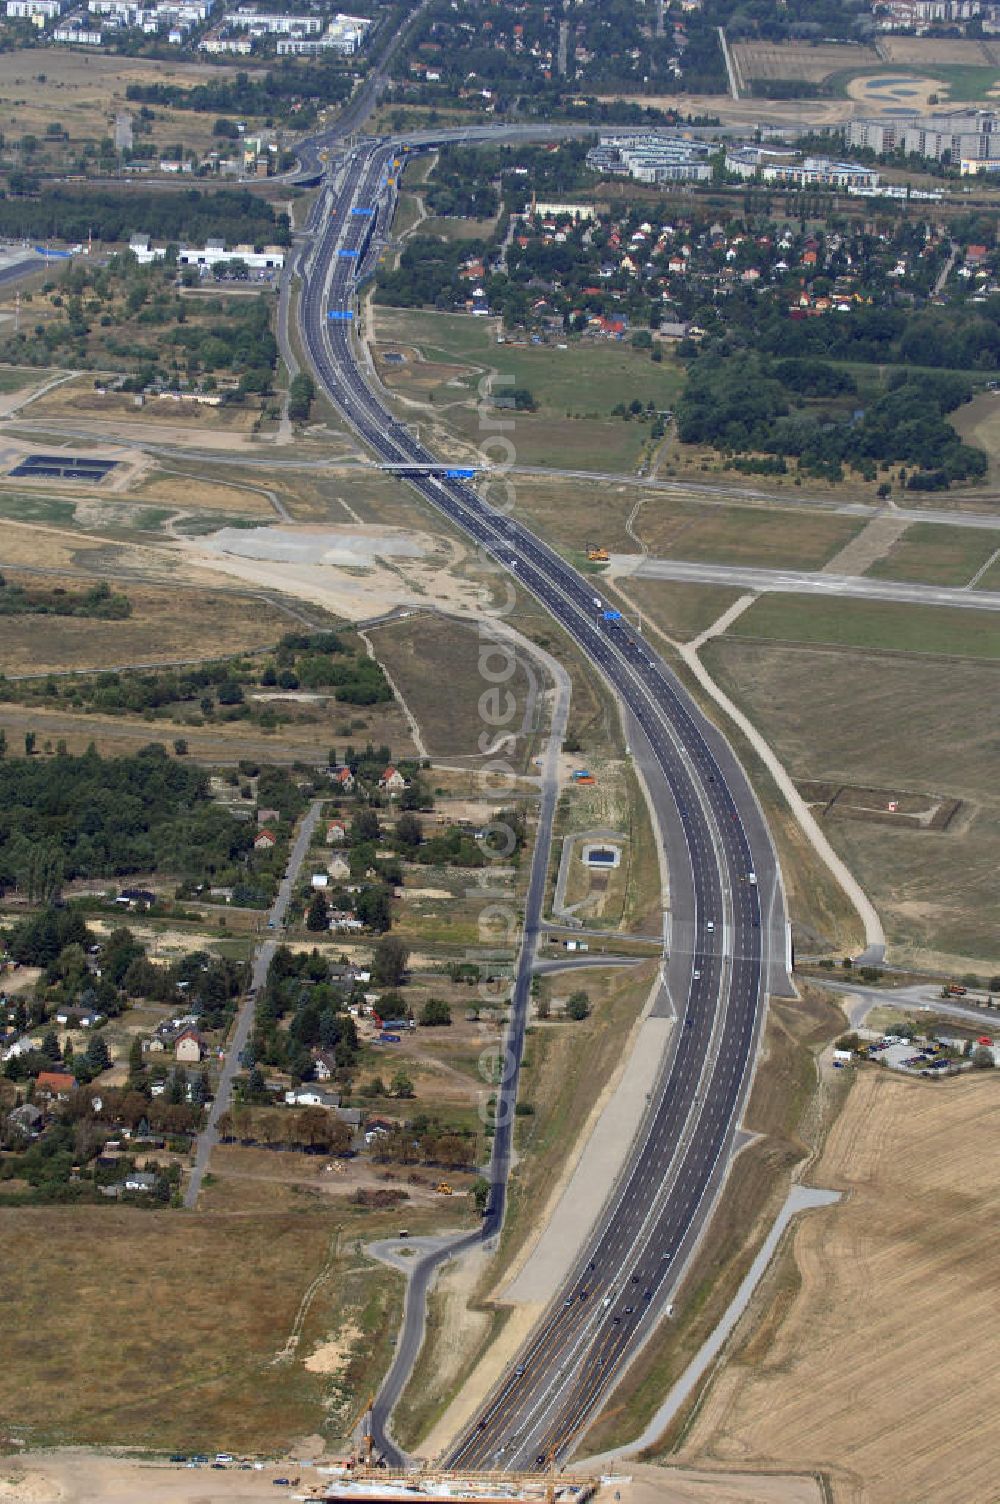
x=444, y=1189
x=596, y=554
x=955, y=989
x=367, y=1442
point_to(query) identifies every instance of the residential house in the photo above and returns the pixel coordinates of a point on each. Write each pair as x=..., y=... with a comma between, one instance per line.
x=338, y=867
x=336, y=833
x=52, y=1084
x=343, y=778
x=26, y=1120
x=392, y=779
x=136, y=898
x=325, y=1064
x=189, y=1048
x=311, y=1096
x=139, y=1180
x=265, y=841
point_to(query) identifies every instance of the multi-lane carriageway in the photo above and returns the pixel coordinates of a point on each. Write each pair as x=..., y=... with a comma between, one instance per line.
x=727, y=925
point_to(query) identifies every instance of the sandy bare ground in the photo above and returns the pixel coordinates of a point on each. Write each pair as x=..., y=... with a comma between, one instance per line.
x=913, y=91
x=355, y=577
x=748, y=112
x=882, y=1368
x=80, y=1477
x=659, y=1485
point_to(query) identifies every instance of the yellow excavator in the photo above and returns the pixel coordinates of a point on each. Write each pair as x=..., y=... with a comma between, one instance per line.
x=596, y=554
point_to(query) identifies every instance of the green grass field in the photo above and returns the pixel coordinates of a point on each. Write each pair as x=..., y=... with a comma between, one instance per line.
x=575, y=388
x=16, y=378
x=872, y=624
x=937, y=555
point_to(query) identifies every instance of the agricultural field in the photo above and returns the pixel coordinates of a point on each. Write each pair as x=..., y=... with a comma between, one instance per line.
x=918, y=731
x=921, y=52
x=804, y=61
x=882, y=1413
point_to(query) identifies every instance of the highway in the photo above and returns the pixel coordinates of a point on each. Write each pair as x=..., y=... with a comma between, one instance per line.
x=727, y=928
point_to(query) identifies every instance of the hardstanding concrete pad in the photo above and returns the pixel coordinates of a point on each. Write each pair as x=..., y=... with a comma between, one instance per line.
x=596, y=1170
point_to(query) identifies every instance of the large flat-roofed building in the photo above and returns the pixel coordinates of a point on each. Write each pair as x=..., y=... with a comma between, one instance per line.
x=650, y=158
x=971, y=135
x=777, y=166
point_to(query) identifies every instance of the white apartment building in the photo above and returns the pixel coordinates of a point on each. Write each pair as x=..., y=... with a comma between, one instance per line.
x=344, y=35
x=773, y=166
x=38, y=11
x=247, y=19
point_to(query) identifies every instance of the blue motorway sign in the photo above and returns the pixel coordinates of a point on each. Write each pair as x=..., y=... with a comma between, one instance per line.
x=340, y=315
x=459, y=474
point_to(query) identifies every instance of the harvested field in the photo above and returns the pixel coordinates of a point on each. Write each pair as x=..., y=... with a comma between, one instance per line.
x=800, y=60
x=875, y=1392
x=925, y=52
x=900, y=724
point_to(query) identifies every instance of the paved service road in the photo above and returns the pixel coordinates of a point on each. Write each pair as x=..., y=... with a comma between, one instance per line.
x=727, y=932
x=240, y=1037
x=801, y=582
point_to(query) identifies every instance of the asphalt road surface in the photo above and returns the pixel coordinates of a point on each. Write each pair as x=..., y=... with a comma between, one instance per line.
x=801, y=582
x=727, y=933
x=231, y=1066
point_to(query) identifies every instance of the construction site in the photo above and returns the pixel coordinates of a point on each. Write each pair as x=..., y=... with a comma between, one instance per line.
x=381, y=1487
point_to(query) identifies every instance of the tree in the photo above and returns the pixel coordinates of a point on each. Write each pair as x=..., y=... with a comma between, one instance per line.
x=982, y=1058
x=180, y=747
x=390, y=961
x=401, y=1085
x=481, y=1194
x=30, y=738
x=97, y=1055
x=435, y=1013
x=318, y=913
x=136, y=1063
x=409, y=831
x=578, y=1006
x=50, y=1047
x=301, y=392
